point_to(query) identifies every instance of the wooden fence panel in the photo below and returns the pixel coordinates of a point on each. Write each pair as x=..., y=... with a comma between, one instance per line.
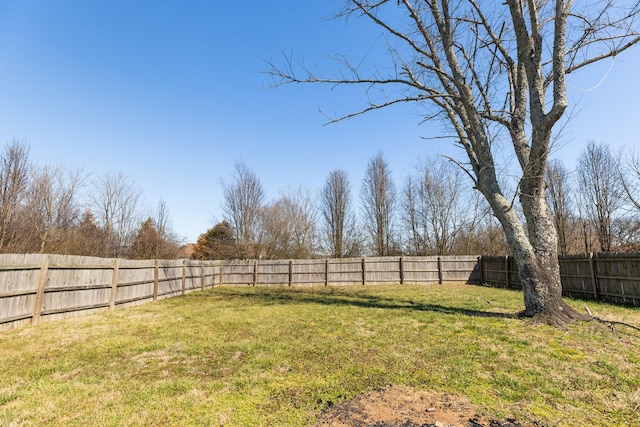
x=193, y=276
x=575, y=273
x=618, y=278
x=18, y=288
x=211, y=274
x=494, y=271
x=135, y=282
x=272, y=273
x=420, y=269
x=345, y=271
x=76, y=285
x=501, y=272
x=382, y=270
x=169, y=278
x=238, y=272
x=309, y=272
x=460, y=269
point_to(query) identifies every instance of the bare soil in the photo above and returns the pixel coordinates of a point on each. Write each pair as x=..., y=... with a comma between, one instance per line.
x=396, y=406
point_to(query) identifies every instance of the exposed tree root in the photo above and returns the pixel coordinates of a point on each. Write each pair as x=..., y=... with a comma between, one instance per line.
x=610, y=323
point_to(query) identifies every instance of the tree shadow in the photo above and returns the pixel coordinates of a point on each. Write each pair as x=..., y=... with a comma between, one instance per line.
x=333, y=296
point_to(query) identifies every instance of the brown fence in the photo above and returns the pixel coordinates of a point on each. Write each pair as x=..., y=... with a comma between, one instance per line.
x=36, y=287
x=613, y=278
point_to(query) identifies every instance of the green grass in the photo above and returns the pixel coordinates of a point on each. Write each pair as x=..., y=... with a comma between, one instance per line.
x=244, y=356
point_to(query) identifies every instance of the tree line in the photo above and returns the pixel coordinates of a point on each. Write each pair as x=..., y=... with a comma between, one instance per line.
x=51, y=209
x=595, y=208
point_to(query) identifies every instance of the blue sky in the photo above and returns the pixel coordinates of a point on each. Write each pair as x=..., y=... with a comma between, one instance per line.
x=173, y=93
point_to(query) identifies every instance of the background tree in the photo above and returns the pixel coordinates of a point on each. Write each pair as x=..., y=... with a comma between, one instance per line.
x=52, y=207
x=14, y=178
x=378, y=199
x=493, y=70
x=436, y=209
x=243, y=200
x=148, y=243
x=559, y=186
x=601, y=190
x=216, y=243
x=163, y=224
x=288, y=227
x=339, y=222
x=116, y=204
x=630, y=180
x=87, y=237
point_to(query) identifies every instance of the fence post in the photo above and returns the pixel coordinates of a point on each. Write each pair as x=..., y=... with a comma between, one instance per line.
x=326, y=272
x=221, y=273
x=290, y=272
x=156, y=274
x=202, y=279
x=481, y=267
x=184, y=276
x=594, y=276
x=42, y=280
x=440, y=270
x=364, y=270
x=402, y=270
x=506, y=271
x=114, y=284
x=255, y=273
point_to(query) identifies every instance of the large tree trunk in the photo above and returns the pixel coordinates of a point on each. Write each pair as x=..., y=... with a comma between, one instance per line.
x=537, y=260
x=540, y=277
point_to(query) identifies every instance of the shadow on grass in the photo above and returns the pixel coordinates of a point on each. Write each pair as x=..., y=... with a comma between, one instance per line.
x=338, y=297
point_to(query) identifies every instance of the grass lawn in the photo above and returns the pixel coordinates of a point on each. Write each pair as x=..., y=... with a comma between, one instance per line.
x=245, y=356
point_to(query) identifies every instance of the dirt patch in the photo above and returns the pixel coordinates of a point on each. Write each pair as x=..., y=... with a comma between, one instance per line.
x=408, y=407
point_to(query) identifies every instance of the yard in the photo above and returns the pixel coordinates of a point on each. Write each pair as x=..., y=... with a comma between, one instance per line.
x=287, y=356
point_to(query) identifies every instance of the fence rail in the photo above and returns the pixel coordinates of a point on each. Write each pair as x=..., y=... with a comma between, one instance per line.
x=35, y=288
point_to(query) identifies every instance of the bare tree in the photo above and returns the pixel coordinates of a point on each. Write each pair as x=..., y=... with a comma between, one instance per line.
x=117, y=206
x=52, y=206
x=14, y=178
x=378, y=199
x=243, y=200
x=436, y=209
x=340, y=235
x=601, y=190
x=630, y=179
x=289, y=227
x=492, y=70
x=163, y=224
x=559, y=187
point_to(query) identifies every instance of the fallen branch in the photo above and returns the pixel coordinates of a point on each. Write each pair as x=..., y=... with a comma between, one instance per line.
x=611, y=323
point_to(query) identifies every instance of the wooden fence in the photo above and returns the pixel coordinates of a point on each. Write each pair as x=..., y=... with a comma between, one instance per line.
x=609, y=277
x=352, y=271
x=36, y=287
